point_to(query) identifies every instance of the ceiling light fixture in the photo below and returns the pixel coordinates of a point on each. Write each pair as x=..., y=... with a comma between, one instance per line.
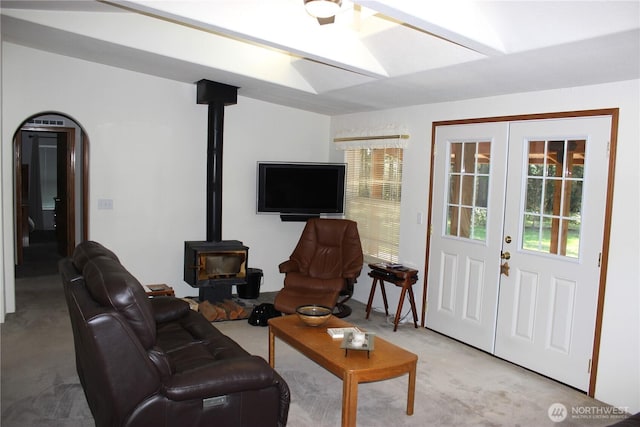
x=322, y=8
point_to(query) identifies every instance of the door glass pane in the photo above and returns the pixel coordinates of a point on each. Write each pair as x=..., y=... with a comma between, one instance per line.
x=536, y=158
x=553, y=209
x=551, y=202
x=468, y=189
x=575, y=163
x=534, y=195
x=484, y=154
x=575, y=189
x=479, y=224
x=531, y=229
x=554, y=158
x=465, y=223
x=482, y=191
x=454, y=189
x=469, y=157
x=456, y=157
x=452, y=221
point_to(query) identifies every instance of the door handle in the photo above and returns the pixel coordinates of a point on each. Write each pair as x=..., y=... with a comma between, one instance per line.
x=505, y=255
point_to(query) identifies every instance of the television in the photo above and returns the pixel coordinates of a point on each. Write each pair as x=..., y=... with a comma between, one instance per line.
x=298, y=191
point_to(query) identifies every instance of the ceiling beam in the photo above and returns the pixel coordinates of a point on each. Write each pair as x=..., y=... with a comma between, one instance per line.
x=459, y=21
x=273, y=24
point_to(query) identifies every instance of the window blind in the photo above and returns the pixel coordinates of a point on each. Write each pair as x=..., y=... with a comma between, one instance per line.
x=373, y=194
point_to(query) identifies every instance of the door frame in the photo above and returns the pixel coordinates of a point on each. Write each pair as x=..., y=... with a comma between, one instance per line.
x=614, y=114
x=70, y=185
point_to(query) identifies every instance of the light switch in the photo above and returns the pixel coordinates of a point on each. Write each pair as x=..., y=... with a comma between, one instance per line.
x=105, y=204
x=419, y=218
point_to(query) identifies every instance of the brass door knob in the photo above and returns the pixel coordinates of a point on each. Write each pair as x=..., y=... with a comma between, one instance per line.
x=505, y=255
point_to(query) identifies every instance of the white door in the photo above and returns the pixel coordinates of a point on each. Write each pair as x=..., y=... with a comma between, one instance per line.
x=533, y=300
x=466, y=239
x=554, y=219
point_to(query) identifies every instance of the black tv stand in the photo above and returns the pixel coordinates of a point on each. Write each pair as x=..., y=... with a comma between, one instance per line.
x=285, y=217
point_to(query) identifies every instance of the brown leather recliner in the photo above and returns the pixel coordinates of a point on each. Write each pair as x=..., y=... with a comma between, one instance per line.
x=323, y=266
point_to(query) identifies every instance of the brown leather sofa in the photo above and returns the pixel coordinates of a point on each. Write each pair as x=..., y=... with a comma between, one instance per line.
x=154, y=362
x=323, y=266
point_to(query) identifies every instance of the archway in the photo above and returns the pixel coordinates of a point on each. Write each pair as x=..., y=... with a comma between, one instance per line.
x=51, y=191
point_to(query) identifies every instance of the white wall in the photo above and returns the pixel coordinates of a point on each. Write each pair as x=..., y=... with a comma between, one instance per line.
x=618, y=380
x=147, y=148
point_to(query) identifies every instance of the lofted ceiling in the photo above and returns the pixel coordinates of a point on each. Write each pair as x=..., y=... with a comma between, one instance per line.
x=378, y=54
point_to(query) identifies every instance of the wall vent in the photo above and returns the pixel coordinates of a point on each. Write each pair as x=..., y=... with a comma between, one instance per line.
x=46, y=122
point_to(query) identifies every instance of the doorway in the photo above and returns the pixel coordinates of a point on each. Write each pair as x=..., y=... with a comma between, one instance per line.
x=50, y=192
x=519, y=224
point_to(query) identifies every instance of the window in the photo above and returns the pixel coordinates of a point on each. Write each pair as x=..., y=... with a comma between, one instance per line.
x=553, y=211
x=373, y=192
x=468, y=189
x=48, y=175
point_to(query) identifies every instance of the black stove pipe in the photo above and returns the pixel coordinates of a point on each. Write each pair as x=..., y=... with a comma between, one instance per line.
x=217, y=96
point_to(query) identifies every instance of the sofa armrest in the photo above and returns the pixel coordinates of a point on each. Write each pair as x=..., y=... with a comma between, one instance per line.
x=166, y=309
x=288, y=266
x=220, y=378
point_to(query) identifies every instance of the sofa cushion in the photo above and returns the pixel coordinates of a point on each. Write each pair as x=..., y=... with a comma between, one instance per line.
x=192, y=341
x=111, y=285
x=191, y=329
x=167, y=309
x=87, y=250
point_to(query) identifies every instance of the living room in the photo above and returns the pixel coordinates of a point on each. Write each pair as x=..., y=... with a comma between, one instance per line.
x=147, y=147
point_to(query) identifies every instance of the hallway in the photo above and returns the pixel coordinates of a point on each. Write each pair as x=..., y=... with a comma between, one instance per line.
x=41, y=257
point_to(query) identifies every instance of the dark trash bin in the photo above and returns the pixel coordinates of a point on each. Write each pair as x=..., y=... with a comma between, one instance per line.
x=251, y=290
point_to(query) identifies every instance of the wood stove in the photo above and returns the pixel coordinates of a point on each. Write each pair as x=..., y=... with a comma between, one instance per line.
x=215, y=265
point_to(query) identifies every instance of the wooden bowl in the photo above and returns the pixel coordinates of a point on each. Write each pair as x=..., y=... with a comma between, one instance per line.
x=314, y=315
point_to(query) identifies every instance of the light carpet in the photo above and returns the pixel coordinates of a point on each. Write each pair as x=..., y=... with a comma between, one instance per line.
x=456, y=385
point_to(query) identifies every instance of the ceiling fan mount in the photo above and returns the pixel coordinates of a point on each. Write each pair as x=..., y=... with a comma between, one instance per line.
x=323, y=10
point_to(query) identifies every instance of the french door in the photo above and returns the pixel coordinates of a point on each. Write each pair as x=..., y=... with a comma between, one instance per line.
x=517, y=228
x=468, y=203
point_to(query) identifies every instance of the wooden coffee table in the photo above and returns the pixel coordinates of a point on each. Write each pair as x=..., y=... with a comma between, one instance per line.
x=384, y=362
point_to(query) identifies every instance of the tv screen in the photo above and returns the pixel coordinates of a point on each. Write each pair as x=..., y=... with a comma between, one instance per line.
x=301, y=188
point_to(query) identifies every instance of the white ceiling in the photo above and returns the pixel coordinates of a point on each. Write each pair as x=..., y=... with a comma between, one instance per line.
x=378, y=54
